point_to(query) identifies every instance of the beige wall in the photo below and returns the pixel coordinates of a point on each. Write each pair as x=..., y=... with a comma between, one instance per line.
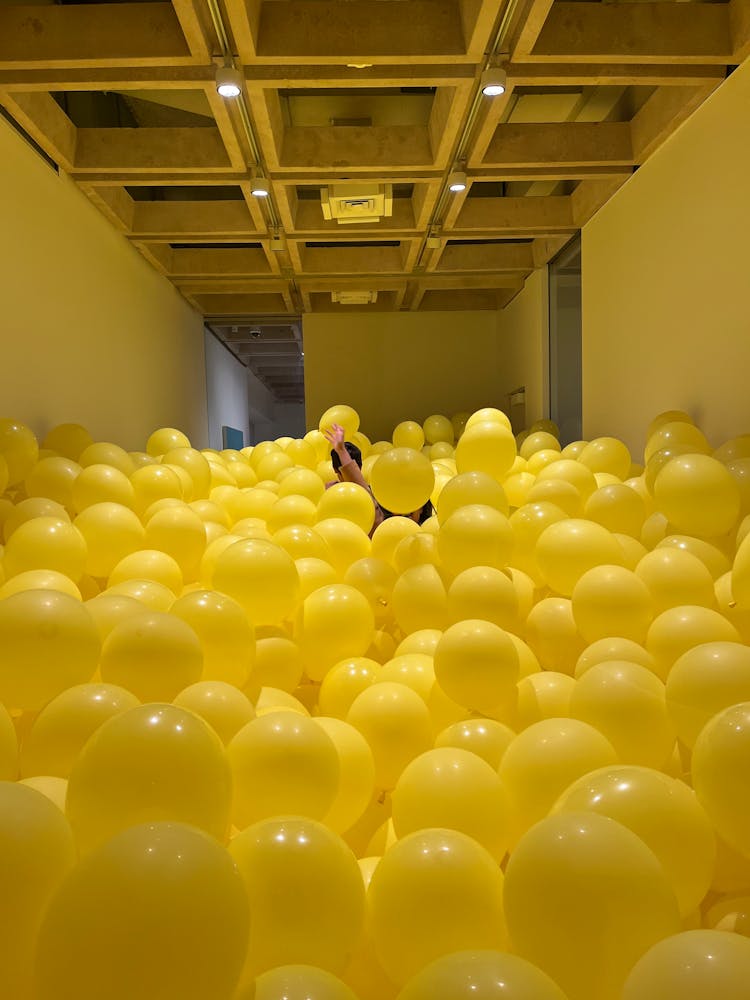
x=90, y=332
x=402, y=366
x=666, y=282
x=523, y=335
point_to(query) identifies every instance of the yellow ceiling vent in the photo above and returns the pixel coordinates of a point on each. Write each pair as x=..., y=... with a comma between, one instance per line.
x=349, y=203
x=354, y=298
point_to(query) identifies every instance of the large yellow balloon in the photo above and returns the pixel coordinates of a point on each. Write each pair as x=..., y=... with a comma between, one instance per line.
x=402, y=480
x=438, y=428
x=419, y=600
x=486, y=738
x=19, y=448
x=475, y=535
x=356, y=774
x=663, y=812
x=151, y=763
x=584, y=898
x=618, y=508
x=486, y=414
x=111, y=532
x=108, y=609
x=613, y=648
x=68, y=439
x=698, y=495
x=99, y=483
x=261, y=577
x=107, y=453
x=282, y=764
x=408, y=434
x=304, y=483
x=677, y=630
x=60, y=731
x=626, y=703
x=481, y=975
x=46, y=543
x=705, y=680
x=195, y=465
x=676, y=432
x=8, y=746
x=36, y=852
x=53, y=478
x=305, y=891
x=375, y=579
x=395, y=721
x=545, y=694
x=477, y=665
x=221, y=705
x=486, y=446
x=433, y=893
x=720, y=768
x=39, y=579
x=471, y=488
x=694, y=965
x=344, y=682
x=456, y=790
x=322, y=640
x=225, y=635
x=675, y=577
x=164, y=439
x=611, y=600
x=552, y=634
x=154, y=655
x=484, y=592
x=297, y=982
x=543, y=760
x=740, y=574
x=567, y=549
x=528, y=523
x=346, y=416
x=278, y=663
x=158, y=911
x=48, y=642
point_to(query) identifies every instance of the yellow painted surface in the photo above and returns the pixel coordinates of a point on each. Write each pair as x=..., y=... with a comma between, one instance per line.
x=523, y=329
x=402, y=366
x=90, y=333
x=666, y=282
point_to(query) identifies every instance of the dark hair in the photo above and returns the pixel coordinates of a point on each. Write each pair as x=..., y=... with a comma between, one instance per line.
x=353, y=450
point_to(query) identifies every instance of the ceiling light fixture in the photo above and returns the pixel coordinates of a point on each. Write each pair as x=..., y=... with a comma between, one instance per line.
x=228, y=81
x=260, y=187
x=457, y=180
x=494, y=80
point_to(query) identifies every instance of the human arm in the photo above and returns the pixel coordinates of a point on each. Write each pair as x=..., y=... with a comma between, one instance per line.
x=350, y=471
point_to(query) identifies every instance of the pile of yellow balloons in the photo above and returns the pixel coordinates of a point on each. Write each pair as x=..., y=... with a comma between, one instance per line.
x=259, y=743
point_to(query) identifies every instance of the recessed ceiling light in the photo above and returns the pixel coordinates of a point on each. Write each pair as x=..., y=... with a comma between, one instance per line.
x=494, y=81
x=228, y=81
x=457, y=181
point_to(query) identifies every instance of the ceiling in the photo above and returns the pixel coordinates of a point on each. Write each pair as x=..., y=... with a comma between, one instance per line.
x=121, y=96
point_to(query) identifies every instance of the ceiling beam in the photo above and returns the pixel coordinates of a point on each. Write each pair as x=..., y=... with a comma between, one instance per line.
x=602, y=74
x=150, y=150
x=569, y=144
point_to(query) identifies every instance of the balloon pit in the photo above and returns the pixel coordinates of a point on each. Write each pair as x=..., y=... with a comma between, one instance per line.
x=250, y=748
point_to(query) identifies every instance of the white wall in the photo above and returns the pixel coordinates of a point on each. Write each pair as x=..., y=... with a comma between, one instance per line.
x=226, y=392
x=666, y=282
x=91, y=333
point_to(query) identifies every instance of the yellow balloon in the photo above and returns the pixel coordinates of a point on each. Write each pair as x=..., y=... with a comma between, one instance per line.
x=626, y=703
x=106, y=453
x=196, y=466
x=528, y=523
x=416, y=550
x=46, y=543
x=155, y=482
x=721, y=757
x=293, y=510
x=302, y=542
x=675, y=577
x=694, y=965
x=48, y=642
x=164, y=439
x=350, y=501
x=618, y=508
x=305, y=892
x=111, y=532
x=304, y=483
x=486, y=738
x=283, y=764
x=346, y=416
x=225, y=635
x=8, y=746
x=584, y=898
x=322, y=641
x=151, y=594
x=37, y=851
x=487, y=414
x=475, y=535
x=559, y=493
x=481, y=975
x=705, y=680
x=419, y=600
x=99, y=484
x=261, y=577
x=543, y=695
x=344, y=682
x=395, y=721
x=543, y=760
x=538, y=441
x=567, y=549
x=456, y=790
x=740, y=574
x=54, y=478
x=486, y=446
x=27, y=510
x=438, y=429
x=664, y=812
x=135, y=769
x=221, y=705
x=356, y=774
x=60, y=731
x=278, y=662
x=39, y=579
x=408, y=434
x=434, y=892
x=484, y=592
x=153, y=655
x=179, y=532
x=570, y=471
x=698, y=495
x=346, y=541
x=19, y=448
x=402, y=480
x=606, y=454
x=714, y=559
x=68, y=439
x=172, y=884
x=389, y=533
x=55, y=789
x=677, y=630
x=611, y=600
x=110, y=609
x=297, y=982
x=375, y=579
x=477, y=665
x=676, y=432
x=148, y=564
x=313, y=574
x=552, y=634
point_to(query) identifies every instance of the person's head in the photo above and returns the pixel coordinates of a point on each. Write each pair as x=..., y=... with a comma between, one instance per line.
x=355, y=453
